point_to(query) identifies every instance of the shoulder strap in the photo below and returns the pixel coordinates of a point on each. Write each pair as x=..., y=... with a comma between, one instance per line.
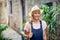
x=41, y=24
x=31, y=26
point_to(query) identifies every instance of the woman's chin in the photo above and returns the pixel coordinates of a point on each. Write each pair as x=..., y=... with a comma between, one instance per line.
x=36, y=19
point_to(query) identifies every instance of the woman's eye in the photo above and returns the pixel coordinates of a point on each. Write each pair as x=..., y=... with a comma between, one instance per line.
x=35, y=13
x=38, y=13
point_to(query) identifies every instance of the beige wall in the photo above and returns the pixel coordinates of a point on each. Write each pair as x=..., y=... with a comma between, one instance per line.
x=3, y=16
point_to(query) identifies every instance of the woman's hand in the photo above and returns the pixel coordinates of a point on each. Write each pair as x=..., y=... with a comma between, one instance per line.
x=28, y=34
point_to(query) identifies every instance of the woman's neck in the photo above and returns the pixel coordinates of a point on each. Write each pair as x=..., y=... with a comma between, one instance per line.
x=36, y=21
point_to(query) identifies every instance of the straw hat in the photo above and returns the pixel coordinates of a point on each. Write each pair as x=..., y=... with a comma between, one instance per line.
x=33, y=9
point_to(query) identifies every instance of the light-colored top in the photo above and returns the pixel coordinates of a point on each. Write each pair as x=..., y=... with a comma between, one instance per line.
x=35, y=26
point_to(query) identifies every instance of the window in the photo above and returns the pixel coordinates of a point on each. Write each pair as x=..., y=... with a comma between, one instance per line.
x=11, y=7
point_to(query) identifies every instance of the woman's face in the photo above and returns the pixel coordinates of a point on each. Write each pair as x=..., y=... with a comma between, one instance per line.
x=36, y=14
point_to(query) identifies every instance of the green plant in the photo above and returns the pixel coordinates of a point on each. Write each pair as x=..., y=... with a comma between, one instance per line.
x=49, y=15
x=23, y=25
x=2, y=28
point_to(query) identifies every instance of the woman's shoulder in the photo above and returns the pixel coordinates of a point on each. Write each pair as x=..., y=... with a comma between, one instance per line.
x=43, y=21
x=27, y=25
x=44, y=24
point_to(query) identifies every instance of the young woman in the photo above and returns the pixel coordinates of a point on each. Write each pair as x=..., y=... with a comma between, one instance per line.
x=36, y=28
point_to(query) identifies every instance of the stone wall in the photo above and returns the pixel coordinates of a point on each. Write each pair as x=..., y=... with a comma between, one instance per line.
x=3, y=14
x=15, y=18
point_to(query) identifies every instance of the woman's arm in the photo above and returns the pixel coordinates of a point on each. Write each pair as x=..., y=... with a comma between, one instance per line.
x=44, y=25
x=27, y=30
x=44, y=34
